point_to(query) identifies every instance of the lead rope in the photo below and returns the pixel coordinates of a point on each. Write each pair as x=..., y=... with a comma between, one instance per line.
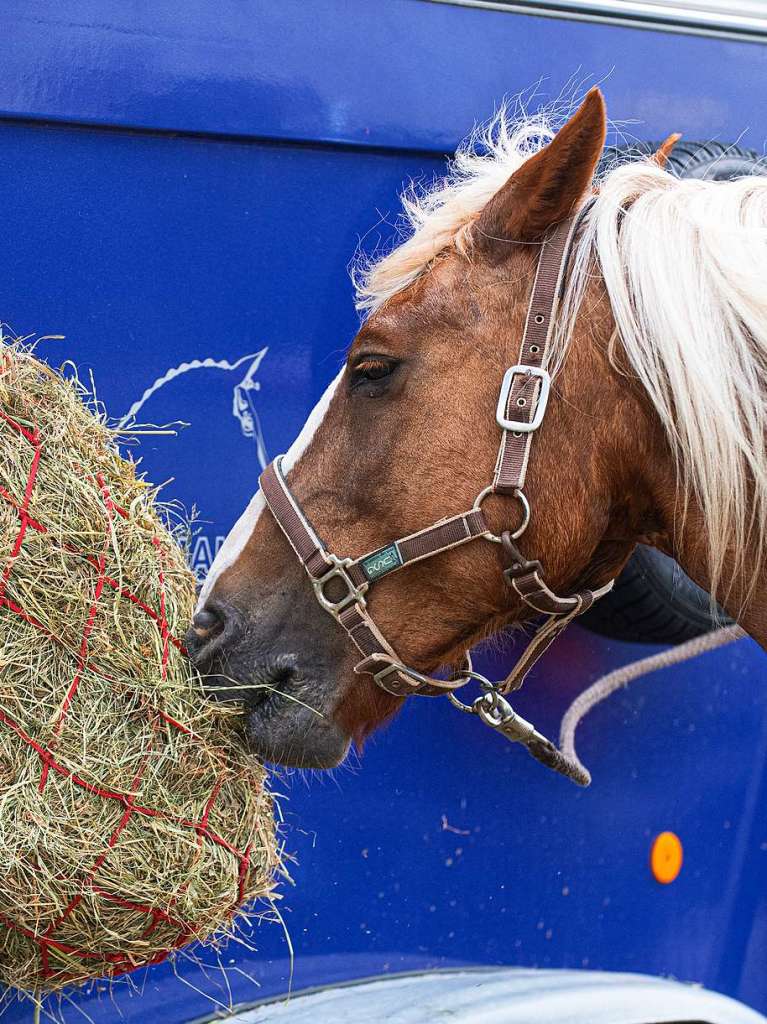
x=495, y=711
x=621, y=677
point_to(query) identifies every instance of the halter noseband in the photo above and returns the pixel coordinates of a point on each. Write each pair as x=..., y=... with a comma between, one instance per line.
x=341, y=584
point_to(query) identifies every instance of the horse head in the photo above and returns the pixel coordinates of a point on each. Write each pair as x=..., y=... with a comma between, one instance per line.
x=407, y=435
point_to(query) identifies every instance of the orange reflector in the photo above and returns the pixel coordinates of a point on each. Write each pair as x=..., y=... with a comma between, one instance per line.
x=666, y=857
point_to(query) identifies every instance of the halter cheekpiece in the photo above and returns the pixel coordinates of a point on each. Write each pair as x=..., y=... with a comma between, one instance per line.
x=341, y=584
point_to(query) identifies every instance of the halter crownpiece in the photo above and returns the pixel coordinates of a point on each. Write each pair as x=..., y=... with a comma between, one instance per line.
x=341, y=584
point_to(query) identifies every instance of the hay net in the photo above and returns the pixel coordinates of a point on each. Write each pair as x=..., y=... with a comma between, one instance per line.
x=132, y=820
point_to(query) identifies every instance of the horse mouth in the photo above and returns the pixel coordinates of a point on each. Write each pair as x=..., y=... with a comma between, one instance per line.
x=287, y=731
x=268, y=689
x=284, y=718
x=269, y=702
x=287, y=712
x=256, y=690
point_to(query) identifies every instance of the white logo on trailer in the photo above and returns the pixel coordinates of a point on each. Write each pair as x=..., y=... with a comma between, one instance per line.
x=244, y=410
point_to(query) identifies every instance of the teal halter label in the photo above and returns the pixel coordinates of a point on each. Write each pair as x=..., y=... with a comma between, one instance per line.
x=381, y=562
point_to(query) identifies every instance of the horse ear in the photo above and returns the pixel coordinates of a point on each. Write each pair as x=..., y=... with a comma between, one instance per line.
x=546, y=188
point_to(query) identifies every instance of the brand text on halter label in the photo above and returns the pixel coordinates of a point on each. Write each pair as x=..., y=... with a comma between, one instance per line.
x=381, y=562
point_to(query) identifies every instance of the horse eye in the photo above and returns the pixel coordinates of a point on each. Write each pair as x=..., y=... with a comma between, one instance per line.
x=373, y=369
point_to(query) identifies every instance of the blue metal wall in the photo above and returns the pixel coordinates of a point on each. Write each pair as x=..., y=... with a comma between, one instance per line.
x=187, y=181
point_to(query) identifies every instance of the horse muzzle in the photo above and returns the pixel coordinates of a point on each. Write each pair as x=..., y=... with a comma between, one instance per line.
x=287, y=706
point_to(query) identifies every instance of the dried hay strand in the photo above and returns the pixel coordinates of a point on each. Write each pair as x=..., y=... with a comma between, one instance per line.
x=132, y=819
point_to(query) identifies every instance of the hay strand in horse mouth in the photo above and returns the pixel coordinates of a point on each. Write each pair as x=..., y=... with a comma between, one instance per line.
x=132, y=818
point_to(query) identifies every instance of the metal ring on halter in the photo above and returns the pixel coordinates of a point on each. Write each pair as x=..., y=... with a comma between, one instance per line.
x=484, y=682
x=521, y=497
x=459, y=704
x=489, y=708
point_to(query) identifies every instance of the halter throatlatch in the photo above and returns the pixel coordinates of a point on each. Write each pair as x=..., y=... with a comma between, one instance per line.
x=341, y=585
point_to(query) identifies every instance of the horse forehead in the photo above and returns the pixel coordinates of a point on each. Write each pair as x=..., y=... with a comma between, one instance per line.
x=442, y=297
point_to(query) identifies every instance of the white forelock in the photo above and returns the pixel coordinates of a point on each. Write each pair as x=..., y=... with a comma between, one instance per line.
x=441, y=214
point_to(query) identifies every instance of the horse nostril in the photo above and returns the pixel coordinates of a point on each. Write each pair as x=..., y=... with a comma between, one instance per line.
x=206, y=622
x=212, y=628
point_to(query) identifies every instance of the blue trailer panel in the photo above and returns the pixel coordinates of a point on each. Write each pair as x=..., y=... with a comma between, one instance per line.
x=184, y=185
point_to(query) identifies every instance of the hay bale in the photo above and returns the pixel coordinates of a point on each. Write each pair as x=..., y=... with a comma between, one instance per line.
x=132, y=820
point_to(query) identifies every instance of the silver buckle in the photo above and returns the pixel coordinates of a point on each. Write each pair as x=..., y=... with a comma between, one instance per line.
x=391, y=668
x=522, y=426
x=354, y=594
x=467, y=673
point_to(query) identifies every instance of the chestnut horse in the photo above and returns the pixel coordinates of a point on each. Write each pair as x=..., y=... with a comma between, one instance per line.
x=654, y=431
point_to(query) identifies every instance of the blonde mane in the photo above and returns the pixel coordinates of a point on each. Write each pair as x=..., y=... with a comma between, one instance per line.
x=440, y=215
x=685, y=267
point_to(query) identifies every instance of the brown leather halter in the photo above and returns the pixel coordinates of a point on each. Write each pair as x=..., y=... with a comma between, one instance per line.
x=341, y=584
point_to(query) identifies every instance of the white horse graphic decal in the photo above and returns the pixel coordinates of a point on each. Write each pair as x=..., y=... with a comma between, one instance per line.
x=244, y=407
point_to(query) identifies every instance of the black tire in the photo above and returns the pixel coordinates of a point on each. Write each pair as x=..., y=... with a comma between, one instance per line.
x=653, y=600
x=714, y=161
